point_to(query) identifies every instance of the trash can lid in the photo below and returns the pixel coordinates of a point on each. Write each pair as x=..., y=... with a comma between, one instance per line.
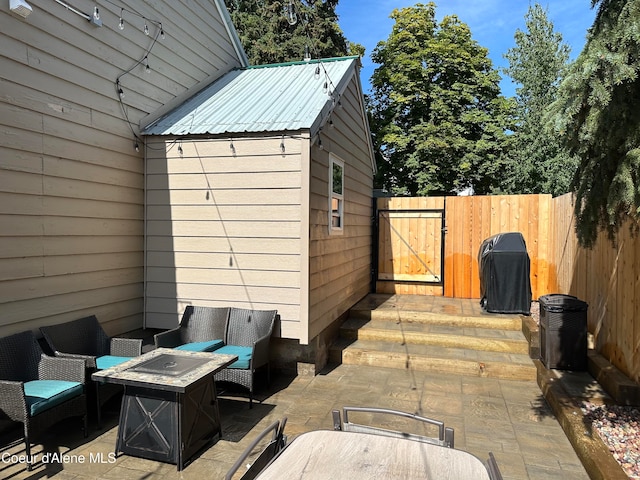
x=557, y=302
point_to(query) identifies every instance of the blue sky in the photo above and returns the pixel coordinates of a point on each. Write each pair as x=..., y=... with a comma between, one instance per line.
x=493, y=24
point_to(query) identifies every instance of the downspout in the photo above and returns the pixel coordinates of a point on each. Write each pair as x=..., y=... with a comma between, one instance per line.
x=144, y=235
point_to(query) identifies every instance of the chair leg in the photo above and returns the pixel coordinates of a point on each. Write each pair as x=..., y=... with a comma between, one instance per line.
x=27, y=449
x=98, y=412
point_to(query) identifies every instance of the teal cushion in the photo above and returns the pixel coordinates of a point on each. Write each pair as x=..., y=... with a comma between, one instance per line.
x=41, y=395
x=107, y=361
x=208, y=346
x=243, y=353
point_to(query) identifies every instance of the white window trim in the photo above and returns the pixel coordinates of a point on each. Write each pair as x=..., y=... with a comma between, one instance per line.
x=336, y=230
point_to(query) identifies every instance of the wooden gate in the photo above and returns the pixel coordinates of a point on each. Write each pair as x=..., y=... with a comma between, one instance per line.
x=410, y=241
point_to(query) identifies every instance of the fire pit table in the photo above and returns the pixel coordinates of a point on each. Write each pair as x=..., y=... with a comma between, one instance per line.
x=169, y=406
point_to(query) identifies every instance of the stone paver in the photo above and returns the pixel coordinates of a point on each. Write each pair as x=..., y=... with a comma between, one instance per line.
x=509, y=418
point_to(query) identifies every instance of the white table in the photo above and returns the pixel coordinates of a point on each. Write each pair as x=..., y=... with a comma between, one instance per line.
x=328, y=454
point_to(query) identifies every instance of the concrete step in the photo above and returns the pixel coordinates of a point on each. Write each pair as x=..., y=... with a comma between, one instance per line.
x=482, y=320
x=434, y=358
x=454, y=335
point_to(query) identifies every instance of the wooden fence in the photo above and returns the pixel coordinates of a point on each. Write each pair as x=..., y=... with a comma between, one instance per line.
x=467, y=221
x=607, y=277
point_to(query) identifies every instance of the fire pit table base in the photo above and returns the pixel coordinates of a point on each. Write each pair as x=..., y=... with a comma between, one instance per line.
x=168, y=426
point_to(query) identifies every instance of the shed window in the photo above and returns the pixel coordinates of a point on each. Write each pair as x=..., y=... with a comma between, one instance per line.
x=336, y=195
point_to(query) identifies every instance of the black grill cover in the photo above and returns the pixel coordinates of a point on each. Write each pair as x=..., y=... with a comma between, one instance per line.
x=505, y=286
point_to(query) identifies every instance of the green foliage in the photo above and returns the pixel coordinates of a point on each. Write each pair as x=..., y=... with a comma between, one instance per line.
x=268, y=37
x=597, y=115
x=537, y=63
x=437, y=116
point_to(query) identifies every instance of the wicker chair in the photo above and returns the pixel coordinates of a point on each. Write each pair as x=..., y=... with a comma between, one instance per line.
x=248, y=336
x=201, y=329
x=38, y=390
x=86, y=340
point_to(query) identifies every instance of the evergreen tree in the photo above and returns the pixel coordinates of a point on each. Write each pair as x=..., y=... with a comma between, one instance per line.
x=275, y=31
x=437, y=115
x=597, y=115
x=538, y=63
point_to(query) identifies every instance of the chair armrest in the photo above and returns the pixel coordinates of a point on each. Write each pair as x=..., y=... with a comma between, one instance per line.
x=126, y=347
x=12, y=400
x=58, y=368
x=90, y=360
x=260, y=354
x=169, y=339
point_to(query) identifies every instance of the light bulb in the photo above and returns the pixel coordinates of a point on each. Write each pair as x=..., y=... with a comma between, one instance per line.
x=316, y=75
x=292, y=17
x=180, y=149
x=137, y=147
x=147, y=69
x=161, y=32
x=96, y=13
x=121, y=24
x=146, y=28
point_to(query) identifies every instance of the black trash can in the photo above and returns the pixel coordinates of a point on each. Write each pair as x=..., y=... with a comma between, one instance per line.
x=505, y=286
x=563, y=332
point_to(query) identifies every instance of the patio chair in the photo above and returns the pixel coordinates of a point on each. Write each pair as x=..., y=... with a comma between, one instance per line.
x=444, y=438
x=492, y=468
x=38, y=390
x=201, y=329
x=248, y=336
x=85, y=339
x=277, y=443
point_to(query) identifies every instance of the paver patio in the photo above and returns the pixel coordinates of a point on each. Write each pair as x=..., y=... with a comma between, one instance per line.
x=509, y=418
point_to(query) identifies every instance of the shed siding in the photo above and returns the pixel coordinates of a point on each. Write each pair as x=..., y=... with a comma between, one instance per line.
x=224, y=227
x=340, y=265
x=71, y=183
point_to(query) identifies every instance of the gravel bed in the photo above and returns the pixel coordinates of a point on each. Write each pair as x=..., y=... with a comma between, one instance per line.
x=619, y=429
x=618, y=426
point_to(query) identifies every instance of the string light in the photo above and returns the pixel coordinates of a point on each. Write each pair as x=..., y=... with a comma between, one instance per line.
x=147, y=69
x=161, y=32
x=146, y=27
x=96, y=13
x=292, y=16
x=136, y=146
x=180, y=151
x=121, y=23
x=282, y=148
x=307, y=53
x=119, y=89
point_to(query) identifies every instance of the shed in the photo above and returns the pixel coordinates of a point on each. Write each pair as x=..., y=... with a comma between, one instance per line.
x=258, y=194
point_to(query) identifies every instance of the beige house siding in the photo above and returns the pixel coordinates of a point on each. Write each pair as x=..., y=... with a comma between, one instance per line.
x=224, y=226
x=340, y=265
x=71, y=183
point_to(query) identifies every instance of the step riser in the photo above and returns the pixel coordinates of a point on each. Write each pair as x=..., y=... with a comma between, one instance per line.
x=512, y=323
x=435, y=365
x=451, y=341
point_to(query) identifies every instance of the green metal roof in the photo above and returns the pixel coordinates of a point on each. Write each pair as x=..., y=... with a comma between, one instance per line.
x=267, y=98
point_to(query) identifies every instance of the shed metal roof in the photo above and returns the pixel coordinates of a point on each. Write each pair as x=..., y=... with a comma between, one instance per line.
x=267, y=98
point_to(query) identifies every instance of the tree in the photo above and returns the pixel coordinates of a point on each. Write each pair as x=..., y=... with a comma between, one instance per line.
x=273, y=31
x=436, y=111
x=597, y=115
x=538, y=63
